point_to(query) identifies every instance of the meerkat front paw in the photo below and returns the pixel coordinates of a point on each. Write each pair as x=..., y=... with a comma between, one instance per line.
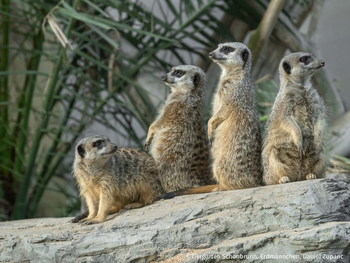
x=148, y=142
x=311, y=176
x=145, y=148
x=211, y=139
x=284, y=180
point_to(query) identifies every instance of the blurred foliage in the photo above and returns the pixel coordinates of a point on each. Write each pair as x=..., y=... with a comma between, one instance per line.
x=64, y=67
x=339, y=164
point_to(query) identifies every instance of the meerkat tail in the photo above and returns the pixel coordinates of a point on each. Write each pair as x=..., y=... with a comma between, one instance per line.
x=192, y=191
x=80, y=217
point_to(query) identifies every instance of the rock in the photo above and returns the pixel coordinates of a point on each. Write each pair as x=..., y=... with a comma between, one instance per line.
x=297, y=222
x=339, y=177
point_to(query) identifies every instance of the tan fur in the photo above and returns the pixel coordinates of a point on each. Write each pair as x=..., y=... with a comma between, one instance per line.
x=293, y=147
x=177, y=137
x=112, y=179
x=234, y=129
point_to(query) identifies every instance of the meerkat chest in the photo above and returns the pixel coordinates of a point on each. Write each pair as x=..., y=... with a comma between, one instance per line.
x=304, y=111
x=180, y=116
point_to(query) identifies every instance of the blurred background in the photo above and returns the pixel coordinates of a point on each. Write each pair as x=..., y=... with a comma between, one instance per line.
x=80, y=67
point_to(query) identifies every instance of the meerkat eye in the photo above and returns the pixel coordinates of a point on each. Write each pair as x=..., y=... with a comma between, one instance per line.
x=178, y=73
x=98, y=144
x=227, y=49
x=305, y=59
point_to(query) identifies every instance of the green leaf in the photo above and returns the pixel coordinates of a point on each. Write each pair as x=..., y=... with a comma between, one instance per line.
x=107, y=24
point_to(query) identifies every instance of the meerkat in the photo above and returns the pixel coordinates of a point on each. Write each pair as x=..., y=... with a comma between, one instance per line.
x=234, y=129
x=111, y=179
x=176, y=139
x=293, y=147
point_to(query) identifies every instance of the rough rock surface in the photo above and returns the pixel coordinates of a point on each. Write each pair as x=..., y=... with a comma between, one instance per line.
x=306, y=220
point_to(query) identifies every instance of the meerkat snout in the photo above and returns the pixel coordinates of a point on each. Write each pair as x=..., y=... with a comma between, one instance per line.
x=163, y=77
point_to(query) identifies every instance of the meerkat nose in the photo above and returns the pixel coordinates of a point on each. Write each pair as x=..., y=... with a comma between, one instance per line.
x=323, y=63
x=211, y=54
x=163, y=77
x=115, y=147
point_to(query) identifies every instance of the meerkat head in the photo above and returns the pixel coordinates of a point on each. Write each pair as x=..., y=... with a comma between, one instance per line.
x=185, y=78
x=232, y=54
x=95, y=149
x=299, y=67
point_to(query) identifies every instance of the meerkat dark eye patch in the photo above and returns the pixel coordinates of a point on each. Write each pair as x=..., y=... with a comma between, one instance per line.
x=286, y=67
x=226, y=49
x=196, y=79
x=81, y=151
x=305, y=59
x=245, y=55
x=98, y=144
x=178, y=73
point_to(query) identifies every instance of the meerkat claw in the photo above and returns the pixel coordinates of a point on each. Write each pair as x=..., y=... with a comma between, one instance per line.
x=91, y=222
x=284, y=180
x=311, y=176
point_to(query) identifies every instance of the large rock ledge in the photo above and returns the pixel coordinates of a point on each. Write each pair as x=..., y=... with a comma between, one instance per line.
x=307, y=219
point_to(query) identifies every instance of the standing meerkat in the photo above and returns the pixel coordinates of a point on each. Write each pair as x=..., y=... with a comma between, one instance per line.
x=177, y=138
x=293, y=147
x=234, y=129
x=112, y=179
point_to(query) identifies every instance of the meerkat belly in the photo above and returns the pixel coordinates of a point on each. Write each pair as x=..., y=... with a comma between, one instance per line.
x=304, y=116
x=237, y=155
x=235, y=139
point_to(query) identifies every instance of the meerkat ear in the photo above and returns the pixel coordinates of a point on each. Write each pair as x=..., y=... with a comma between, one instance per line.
x=196, y=79
x=286, y=67
x=245, y=55
x=81, y=151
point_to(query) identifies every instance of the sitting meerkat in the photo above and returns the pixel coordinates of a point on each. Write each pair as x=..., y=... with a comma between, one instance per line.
x=234, y=129
x=293, y=148
x=112, y=179
x=177, y=138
